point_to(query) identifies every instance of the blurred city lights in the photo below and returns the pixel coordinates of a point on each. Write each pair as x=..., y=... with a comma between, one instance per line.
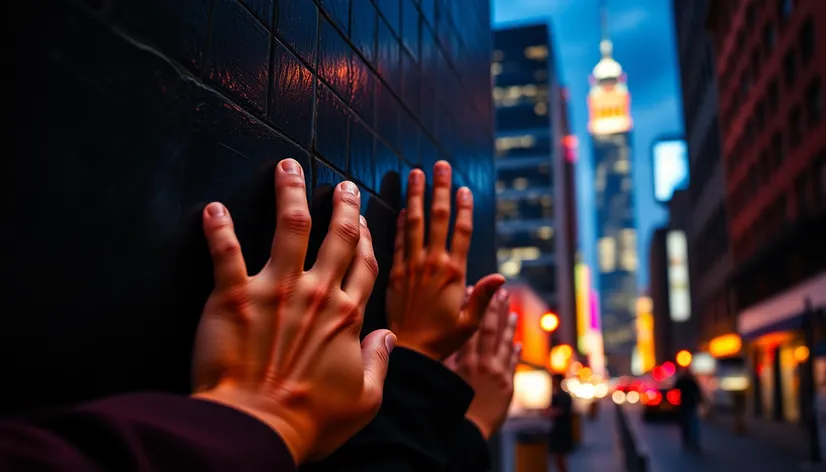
x=683, y=358
x=801, y=354
x=632, y=397
x=549, y=322
x=600, y=390
x=669, y=368
x=618, y=397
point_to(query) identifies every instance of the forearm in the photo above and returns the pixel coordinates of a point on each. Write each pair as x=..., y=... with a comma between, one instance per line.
x=143, y=432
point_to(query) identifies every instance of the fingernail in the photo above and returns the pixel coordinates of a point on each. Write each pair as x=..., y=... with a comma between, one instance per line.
x=441, y=168
x=464, y=195
x=362, y=220
x=215, y=210
x=291, y=167
x=415, y=177
x=350, y=188
x=502, y=295
x=390, y=342
x=513, y=318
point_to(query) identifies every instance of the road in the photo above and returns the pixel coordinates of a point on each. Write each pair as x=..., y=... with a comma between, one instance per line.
x=722, y=451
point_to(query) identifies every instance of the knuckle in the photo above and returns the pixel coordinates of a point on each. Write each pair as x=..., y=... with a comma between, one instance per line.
x=463, y=228
x=320, y=294
x=440, y=212
x=350, y=311
x=296, y=221
x=348, y=232
x=414, y=218
x=351, y=201
x=370, y=262
x=226, y=249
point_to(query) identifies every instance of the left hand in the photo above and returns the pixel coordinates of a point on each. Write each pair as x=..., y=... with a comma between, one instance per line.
x=487, y=362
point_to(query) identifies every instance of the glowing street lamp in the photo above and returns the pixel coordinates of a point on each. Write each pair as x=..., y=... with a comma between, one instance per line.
x=683, y=358
x=549, y=322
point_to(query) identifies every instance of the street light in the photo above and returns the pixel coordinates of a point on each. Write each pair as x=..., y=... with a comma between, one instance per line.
x=549, y=322
x=683, y=358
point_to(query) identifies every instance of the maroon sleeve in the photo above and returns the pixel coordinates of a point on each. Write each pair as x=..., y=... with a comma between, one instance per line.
x=143, y=432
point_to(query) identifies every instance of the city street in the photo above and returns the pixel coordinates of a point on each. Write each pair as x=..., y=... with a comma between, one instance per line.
x=722, y=451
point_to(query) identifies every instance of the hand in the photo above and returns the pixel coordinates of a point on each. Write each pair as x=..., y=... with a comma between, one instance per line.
x=283, y=345
x=425, y=298
x=487, y=362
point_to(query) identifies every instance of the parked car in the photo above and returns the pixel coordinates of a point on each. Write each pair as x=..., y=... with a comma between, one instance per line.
x=661, y=402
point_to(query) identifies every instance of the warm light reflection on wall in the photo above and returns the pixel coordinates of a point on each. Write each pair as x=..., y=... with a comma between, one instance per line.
x=530, y=308
x=645, y=333
x=725, y=345
x=582, y=281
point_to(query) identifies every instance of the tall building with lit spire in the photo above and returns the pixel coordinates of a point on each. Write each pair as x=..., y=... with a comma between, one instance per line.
x=610, y=125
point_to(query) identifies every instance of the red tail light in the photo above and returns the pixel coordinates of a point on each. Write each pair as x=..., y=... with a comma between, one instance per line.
x=652, y=398
x=673, y=397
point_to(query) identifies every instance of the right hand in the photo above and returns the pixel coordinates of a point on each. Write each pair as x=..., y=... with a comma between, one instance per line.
x=487, y=362
x=283, y=345
x=426, y=305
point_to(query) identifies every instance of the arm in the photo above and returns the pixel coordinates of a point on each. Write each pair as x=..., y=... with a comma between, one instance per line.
x=424, y=405
x=143, y=432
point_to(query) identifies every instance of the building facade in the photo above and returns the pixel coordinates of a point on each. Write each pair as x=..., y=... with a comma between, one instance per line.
x=530, y=159
x=710, y=261
x=156, y=108
x=610, y=125
x=771, y=68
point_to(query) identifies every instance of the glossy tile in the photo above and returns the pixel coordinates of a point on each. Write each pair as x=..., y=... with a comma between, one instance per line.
x=410, y=27
x=332, y=120
x=363, y=30
x=391, y=11
x=388, y=60
x=239, y=54
x=361, y=154
x=334, y=59
x=292, y=83
x=261, y=9
x=297, y=25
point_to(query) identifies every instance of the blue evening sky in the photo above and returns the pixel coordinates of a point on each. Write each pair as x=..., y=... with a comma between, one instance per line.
x=643, y=35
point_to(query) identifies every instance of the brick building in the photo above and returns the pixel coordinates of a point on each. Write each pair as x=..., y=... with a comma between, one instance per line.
x=771, y=68
x=131, y=115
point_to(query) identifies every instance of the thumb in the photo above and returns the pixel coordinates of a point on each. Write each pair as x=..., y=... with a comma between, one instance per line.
x=375, y=352
x=482, y=293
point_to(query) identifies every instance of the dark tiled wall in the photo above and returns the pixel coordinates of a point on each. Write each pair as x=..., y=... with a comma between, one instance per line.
x=132, y=114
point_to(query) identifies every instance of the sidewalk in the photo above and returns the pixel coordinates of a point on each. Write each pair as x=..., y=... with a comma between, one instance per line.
x=785, y=437
x=723, y=451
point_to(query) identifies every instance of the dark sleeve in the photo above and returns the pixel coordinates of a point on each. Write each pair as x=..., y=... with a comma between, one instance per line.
x=470, y=450
x=146, y=432
x=423, y=406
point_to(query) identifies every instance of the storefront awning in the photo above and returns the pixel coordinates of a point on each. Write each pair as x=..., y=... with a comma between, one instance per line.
x=783, y=311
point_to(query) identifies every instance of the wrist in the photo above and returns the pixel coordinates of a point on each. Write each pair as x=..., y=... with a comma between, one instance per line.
x=296, y=432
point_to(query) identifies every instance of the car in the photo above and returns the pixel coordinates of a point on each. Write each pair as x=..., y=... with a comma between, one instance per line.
x=660, y=403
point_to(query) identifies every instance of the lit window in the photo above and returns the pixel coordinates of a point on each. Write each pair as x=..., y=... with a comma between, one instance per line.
x=520, y=183
x=496, y=68
x=498, y=93
x=545, y=232
x=529, y=90
x=537, y=53
x=607, y=254
x=511, y=142
x=628, y=261
x=540, y=109
x=510, y=268
x=546, y=200
x=621, y=166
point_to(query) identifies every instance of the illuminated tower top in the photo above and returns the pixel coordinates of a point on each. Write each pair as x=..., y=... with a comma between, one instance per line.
x=609, y=103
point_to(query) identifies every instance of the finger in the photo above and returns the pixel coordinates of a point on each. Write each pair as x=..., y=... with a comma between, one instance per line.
x=482, y=293
x=515, y=356
x=414, y=223
x=468, y=291
x=503, y=314
x=489, y=327
x=292, y=220
x=440, y=208
x=365, y=269
x=228, y=265
x=375, y=353
x=463, y=227
x=506, y=347
x=339, y=247
x=468, y=356
x=398, y=243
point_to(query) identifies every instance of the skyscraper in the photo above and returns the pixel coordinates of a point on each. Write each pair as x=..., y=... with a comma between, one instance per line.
x=530, y=162
x=610, y=125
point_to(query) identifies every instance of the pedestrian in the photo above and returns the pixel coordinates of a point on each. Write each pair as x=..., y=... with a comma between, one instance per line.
x=690, y=399
x=561, y=440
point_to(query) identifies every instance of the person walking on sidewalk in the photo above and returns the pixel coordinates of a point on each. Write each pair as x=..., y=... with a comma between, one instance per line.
x=690, y=399
x=561, y=440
